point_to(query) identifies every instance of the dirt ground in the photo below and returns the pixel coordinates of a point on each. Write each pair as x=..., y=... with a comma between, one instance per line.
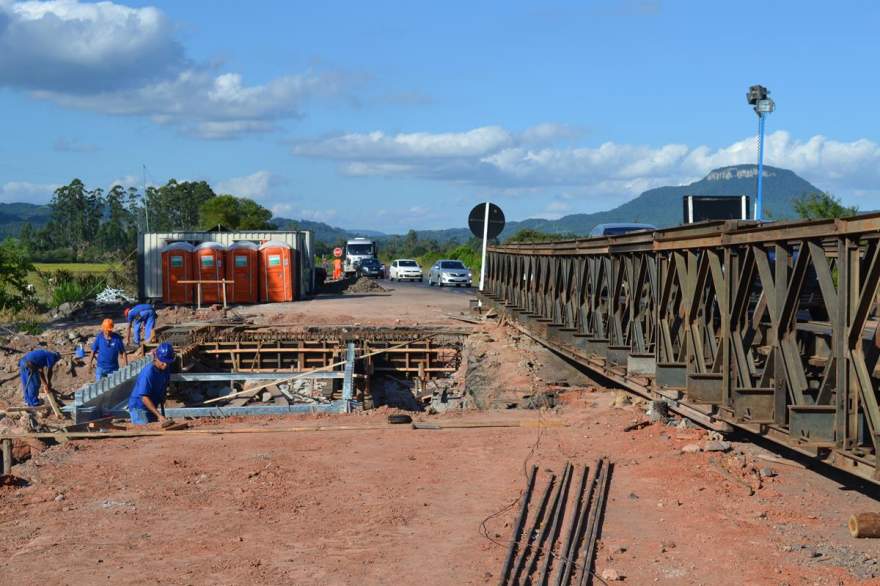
x=390, y=504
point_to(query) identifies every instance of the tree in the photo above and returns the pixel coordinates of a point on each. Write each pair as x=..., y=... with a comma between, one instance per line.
x=236, y=213
x=254, y=216
x=530, y=235
x=76, y=216
x=119, y=229
x=818, y=206
x=176, y=206
x=14, y=267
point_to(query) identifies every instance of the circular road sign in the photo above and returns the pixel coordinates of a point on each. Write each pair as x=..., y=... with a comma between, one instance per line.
x=477, y=216
x=337, y=252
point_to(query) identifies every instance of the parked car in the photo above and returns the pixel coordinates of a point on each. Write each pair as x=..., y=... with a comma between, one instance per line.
x=450, y=272
x=617, y=229
x=370, y=267
x=404, y=269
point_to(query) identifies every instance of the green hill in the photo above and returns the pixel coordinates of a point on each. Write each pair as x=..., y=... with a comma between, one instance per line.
x=323, y=232
x=662, y=206
x=14, y=215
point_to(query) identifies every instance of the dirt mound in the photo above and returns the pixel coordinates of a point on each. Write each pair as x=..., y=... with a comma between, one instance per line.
x=365, y=285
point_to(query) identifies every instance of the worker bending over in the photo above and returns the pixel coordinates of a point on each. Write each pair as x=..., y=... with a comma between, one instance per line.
x=107, y=347
x=148, y=394
x=143, y=315
x=35, y=368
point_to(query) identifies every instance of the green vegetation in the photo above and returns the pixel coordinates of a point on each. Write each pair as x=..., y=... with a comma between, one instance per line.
x=818, y=206
x=97, y=268
x=234, y=213
x=530, y=235
x=14, y=266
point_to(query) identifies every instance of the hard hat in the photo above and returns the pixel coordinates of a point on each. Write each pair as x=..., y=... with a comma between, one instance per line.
x=127, y=309
x=107, y=325
x=165, y=353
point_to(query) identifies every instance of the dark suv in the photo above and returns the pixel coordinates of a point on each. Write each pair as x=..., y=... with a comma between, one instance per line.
x=371, y=267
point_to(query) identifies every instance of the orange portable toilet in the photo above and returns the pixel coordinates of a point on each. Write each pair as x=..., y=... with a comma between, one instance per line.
x=276, y=272
x=242, y=269
x=208, y=262
x=177, y=261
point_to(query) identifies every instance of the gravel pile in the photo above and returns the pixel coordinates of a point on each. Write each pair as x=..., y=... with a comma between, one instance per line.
x=365, y=285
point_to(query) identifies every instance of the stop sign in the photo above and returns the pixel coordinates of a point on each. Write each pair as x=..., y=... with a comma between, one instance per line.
x=337, y=252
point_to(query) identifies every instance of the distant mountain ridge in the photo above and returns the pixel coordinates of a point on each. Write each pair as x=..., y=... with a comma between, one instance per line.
x=661, y=206
x=15, y=215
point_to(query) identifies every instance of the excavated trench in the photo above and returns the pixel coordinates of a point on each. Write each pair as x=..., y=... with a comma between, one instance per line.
x=242, y=370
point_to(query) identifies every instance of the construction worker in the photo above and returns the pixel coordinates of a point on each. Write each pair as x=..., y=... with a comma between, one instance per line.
x=35, y=368
x=107, y=347
x=148, y=395
x=337, y=269
x=137, y=316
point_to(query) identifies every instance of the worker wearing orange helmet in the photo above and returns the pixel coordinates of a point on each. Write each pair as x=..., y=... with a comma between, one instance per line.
x=107, y=347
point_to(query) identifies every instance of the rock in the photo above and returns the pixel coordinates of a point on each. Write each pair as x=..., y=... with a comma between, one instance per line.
x=611, y=575
x=716, y=446
x=691, y=449
x=621, y=399
x=59, y=498
x=658, y=411
x=666, y=546
x=767, y=472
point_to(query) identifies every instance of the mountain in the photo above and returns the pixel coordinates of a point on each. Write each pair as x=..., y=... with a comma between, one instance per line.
x=324, y=232
x=14, y=215
x=662, y=206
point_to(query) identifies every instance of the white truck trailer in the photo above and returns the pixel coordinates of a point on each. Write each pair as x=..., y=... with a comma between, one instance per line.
x=357, y=250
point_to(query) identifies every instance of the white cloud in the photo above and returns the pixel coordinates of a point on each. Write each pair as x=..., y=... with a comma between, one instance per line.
x=257, y=185
x=71, y=46
x=533, y=161
x=113, y=59
x=25, y=191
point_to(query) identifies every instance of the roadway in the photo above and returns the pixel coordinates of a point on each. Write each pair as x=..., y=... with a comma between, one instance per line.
x=409, y=284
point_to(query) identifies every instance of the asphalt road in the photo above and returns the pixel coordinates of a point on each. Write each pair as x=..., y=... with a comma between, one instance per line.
x=453, y=290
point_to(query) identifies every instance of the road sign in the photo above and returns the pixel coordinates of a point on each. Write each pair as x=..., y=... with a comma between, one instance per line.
x=477, y=218
x=337, y=252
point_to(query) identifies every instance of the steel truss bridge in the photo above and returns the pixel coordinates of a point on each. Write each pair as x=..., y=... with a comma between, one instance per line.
x=770, y=328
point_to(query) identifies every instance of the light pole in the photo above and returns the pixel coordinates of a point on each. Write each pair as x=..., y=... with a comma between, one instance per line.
x=758, y=98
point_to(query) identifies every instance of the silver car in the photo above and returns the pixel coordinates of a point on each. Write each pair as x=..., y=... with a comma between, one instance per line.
x=449, y=272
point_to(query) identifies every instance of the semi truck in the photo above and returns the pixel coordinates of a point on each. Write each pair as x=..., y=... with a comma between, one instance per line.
x=357, y=250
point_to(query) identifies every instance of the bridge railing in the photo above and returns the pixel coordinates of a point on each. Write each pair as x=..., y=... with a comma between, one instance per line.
x=773, y=326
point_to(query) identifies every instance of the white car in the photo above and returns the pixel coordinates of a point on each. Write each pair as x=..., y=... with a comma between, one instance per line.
x=450, y=272
x=404, y=269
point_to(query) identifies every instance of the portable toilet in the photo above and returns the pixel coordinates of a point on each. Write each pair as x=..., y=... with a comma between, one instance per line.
x=242, y=269
x=276, y=272
x=208, y=262
x=177, y=265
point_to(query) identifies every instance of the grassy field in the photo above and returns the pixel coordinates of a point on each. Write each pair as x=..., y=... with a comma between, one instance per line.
x=73, y=267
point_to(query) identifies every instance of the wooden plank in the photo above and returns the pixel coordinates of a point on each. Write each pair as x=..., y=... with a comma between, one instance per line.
x=527, y=423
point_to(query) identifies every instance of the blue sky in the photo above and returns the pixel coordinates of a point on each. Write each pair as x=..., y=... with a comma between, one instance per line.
x=391, y=115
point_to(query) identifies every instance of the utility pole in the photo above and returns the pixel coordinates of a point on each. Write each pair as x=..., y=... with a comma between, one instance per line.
x=758, y=98
x=146, y=207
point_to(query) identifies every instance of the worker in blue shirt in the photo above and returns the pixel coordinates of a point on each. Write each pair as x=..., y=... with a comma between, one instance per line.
x=148, y=394
x=35, y=368
x=107, y=347
x=142, y=315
